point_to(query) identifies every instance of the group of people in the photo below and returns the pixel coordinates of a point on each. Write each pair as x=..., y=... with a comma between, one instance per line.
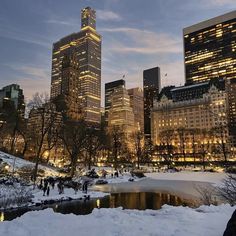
x=47, y=183
x=44, y=185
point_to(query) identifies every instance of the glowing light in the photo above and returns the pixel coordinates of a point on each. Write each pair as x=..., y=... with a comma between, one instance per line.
x=7, y=167
x=2, y=217
x=98, y=203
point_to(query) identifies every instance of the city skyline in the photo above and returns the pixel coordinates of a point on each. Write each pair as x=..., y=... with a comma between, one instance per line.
x=129, y=45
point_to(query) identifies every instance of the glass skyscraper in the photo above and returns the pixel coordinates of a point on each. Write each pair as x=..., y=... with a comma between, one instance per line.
x=85, y=46
x=151, y=88
x=109, y=90
x=210, y=49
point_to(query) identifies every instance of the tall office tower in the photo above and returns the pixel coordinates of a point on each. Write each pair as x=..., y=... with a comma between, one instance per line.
x=121, y=113
x=70, y=87
x=109, y=89
x=86, y=46
x=151, y=88
x=136, y=102
x=12, y=95
x=210, y=49
x=231, y=91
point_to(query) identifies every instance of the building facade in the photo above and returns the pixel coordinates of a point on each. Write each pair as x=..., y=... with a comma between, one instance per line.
x=121, y=114
x=109, y=89
x=86, y=48
x=231, y=92
x=13, y=95
x=192, y=119
x=136, y=102
x=210, y=49
x=151, y=88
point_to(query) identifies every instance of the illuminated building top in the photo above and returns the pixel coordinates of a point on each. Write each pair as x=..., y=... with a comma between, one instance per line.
x=88, y=18
x=210, y=22
x=210, y=49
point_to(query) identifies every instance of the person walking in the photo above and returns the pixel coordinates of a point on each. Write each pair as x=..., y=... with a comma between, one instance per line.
x=44, y=189
x=85, y=187
x=48, y=190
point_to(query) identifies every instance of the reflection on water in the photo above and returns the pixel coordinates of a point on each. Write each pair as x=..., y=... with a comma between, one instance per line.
x=141, y=201
x=2, y=216
x=98, y=203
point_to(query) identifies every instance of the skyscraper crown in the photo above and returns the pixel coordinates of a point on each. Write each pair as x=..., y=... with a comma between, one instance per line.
x=88, y=18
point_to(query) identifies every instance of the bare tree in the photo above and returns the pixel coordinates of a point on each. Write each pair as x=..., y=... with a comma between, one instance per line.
x=182, y=138
x=204, y=147
x=42, y=119
x=138, y=138
x=220, y=133
x=73, y=136
x=228, y=190
x=115, y=143
x=167, y=137
x=93, y=145
x=207, y=194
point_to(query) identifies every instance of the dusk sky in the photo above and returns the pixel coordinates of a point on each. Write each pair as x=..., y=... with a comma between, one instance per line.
x=136, y=35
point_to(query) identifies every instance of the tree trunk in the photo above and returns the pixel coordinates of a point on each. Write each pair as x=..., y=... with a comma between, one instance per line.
x=13, y=141
x=24, y=150
x=73, y=164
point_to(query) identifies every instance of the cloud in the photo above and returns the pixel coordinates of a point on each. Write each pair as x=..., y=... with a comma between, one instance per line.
x=108, y=15
x=30, y=77
x=23, y=36
x=70, y=22
x=221, y=2
x=31, y=86
x=35, y=72
x=144, y=42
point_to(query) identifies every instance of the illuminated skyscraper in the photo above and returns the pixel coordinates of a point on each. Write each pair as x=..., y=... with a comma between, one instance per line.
x=109, y=89
x=136, y=102
x=121, y=114
x=85, y=46
x=231, y=91
x=151, y=88
x=210, y=49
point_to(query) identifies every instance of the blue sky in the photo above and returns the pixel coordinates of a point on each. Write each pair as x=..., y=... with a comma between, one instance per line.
x=137, y=35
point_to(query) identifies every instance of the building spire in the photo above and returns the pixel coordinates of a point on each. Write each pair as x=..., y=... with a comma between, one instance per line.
x=88, y=18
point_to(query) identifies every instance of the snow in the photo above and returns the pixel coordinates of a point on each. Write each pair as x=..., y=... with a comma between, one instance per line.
x=210, y=177
x=68, y=193
x=19, y=163
x=168, y=221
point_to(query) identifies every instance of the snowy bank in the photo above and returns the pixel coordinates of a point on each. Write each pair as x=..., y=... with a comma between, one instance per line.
x=69, y=193
x=178, y=221
x=210, y=177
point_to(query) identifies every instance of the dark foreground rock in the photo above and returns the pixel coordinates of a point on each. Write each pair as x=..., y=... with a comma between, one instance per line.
x=231, y=226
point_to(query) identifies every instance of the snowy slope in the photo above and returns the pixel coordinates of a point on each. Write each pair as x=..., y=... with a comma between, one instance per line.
x=19, y=162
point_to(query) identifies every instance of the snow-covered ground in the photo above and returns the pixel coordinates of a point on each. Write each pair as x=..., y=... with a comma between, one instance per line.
x=210, y=177
x=19, y=163
x=168, y=221
x=68, y=193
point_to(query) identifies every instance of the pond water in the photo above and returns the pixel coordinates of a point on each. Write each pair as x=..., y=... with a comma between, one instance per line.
x=140, y=201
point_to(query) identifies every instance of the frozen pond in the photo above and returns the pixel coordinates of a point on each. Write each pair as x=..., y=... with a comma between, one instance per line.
x=130, y=200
